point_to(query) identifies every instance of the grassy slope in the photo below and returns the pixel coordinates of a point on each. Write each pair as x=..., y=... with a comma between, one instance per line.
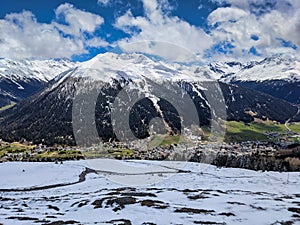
x=16, y=148
x=239, y=131
x=60, y=154
x=13, y=148
x=295, y=127
x=164, y=140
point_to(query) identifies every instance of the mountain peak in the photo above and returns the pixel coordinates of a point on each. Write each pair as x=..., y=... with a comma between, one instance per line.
x=134, y=66
x=109, y=59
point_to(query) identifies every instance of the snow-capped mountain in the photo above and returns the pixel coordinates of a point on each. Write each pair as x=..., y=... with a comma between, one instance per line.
x=160, y=90
x=42, y=70
x=217, y=70
x=20, y=79
x=135, y=67
x=278, y=76
x=272, y=68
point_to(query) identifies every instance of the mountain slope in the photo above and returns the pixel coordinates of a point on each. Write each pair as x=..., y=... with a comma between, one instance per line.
x=278, y=76
x=20, y=79
x=158, y=87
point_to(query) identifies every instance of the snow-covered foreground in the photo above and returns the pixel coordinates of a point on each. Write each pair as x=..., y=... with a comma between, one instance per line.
x=147, y=192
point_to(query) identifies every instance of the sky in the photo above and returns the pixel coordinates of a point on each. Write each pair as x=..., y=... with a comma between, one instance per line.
x=212, y=30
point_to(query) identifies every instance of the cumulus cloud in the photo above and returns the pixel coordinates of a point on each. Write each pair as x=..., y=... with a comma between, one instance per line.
x=156, y=25
x=78, y=21
x=248, y=4
x=226, y=14
x=257, y=27
x=22, y=36
x=244, y=29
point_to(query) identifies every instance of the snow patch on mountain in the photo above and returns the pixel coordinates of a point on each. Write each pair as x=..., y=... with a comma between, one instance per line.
x=219, y=69
x=273, y=68
x=135, y=67
x=41, y=70
x=21, y=79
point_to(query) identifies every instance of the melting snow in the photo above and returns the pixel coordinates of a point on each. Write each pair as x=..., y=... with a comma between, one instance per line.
x=202, y=193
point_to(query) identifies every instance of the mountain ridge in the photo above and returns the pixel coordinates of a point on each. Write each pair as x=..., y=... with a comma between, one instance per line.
x=46, y=117
x=278, y=76
x=22, y=78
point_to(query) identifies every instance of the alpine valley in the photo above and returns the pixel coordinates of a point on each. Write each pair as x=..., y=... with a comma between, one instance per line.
x=267, y=90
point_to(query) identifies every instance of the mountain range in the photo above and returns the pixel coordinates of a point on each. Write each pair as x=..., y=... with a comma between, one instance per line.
x=160, y=90
x=278, y=76
x=21, y=79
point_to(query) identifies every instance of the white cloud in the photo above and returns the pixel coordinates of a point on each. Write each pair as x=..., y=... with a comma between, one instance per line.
x=22, y=36
x=166, y=50
x=226, y=14
x=237, y=23
x=158, y=26
x=73, y=31
x=78, y=21
x=243, y=4
x=96, y=42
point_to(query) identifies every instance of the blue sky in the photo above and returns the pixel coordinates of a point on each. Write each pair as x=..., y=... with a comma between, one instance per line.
x=211, y=29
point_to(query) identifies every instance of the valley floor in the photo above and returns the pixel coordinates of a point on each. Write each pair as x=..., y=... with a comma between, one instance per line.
x=145, y=192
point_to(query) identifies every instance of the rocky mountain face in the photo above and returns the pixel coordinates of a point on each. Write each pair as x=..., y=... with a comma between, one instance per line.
x=135, y=89
x=21, y=79
x=284, y=89
x=277, y=76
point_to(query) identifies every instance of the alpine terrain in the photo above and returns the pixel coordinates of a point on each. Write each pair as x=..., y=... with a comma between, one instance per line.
x=155, y=89
x=20, y=79
x=278, y=76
